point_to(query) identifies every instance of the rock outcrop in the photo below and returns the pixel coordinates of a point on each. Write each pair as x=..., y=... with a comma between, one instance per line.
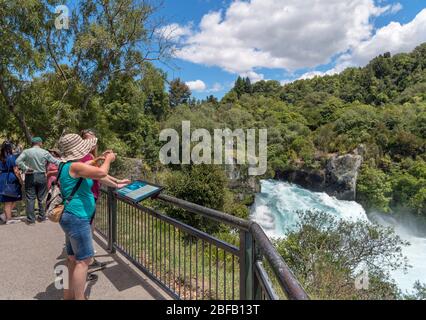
x=244, y=187
x=309, y=179
x=338, y=178
x=342, y=175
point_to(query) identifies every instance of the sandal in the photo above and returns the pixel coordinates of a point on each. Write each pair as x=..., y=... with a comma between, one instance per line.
x=97, y=265
x=92, y=277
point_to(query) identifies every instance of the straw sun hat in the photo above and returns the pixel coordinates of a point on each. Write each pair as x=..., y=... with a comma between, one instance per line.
x=74, y=147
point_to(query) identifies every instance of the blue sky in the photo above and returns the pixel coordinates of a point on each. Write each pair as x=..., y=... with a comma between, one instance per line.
x=283, y=40
x=197, y=63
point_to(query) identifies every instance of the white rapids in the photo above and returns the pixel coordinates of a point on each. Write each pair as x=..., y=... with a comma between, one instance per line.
x=276, y=207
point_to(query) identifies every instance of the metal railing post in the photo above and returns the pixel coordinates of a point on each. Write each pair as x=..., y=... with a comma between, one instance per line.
x=257, y=289
x=112, y=220
x=246, y=266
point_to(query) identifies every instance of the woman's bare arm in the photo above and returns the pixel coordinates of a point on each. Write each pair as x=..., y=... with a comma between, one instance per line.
x=119, y=181
x=82, y=170
x=18, y=175
x=114, y=183
x=108, y=182
x=112, y=179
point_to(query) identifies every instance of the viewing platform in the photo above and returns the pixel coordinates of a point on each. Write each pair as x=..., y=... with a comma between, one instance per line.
x=150, y=256
x=29, y=254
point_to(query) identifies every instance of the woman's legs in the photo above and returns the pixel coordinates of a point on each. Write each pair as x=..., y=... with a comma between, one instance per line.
x=79, y=278
x=69, y=292
x=8, y=207
x=77, y=273
x=79, y=247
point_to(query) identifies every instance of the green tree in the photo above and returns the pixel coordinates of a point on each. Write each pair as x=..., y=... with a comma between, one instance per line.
x=248, y=88
x=105, y=38
x=202, y=184
x=239, y=87
x=418, y=294
x=213, y=100
x=374, y=189
x=242, y=86
x=23, y=32
x=326, y=255
x=110, y=37
x=270, y=88
x=153, y=85
x=418, y=202
x=179, y=93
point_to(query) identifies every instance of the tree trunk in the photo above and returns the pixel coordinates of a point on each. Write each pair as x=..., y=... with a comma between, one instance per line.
x=20, y=118
x=23, y=125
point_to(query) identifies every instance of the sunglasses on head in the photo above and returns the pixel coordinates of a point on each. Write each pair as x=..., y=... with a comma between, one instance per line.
x=88, y=131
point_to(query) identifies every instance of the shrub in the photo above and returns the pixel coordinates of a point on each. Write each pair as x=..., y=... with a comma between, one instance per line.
x=326, y=255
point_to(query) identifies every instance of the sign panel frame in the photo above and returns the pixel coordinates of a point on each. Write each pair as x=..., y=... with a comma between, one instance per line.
x=139, y=190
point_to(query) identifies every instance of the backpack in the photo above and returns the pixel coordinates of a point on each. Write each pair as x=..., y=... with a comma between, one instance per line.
x=55, y=204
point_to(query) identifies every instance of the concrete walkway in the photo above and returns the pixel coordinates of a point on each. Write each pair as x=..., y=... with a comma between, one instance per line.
x=29, y=254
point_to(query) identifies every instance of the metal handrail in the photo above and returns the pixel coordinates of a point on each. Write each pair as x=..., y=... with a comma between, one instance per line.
x=285, y=276
x=287, y=280
x=207, y=212
x=254, y=247
x=265, y=281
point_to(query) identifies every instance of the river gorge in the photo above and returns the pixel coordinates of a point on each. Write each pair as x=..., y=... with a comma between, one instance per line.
x=276, y=207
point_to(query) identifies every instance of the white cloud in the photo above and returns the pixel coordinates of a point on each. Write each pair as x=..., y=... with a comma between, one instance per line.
x=216, y=88
x=274, y=34
x=394, y=38
x=295, y=34
x=311, y=75
x=253, y=76
x=197, y=85
x=396, y=8
x=337, y=69
x=175, y=32
x=201, y=86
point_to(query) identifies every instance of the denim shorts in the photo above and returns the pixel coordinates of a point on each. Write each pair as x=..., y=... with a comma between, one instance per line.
x=78, y=236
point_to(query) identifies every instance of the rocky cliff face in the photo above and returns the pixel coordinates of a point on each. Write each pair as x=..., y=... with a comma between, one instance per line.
x=310, y=179
x=338, y=178
x=245, y=187
x=342, y=175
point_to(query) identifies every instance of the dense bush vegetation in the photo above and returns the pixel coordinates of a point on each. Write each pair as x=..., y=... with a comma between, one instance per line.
x=328, y=256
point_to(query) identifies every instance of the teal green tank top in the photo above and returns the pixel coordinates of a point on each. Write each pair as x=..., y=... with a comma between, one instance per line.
x=82, y=204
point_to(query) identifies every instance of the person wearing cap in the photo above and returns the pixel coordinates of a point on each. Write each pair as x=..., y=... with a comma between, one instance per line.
x=78, y=212
x=33, y=162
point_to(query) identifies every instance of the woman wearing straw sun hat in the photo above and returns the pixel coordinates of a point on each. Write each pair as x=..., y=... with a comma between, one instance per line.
x=76, y=177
